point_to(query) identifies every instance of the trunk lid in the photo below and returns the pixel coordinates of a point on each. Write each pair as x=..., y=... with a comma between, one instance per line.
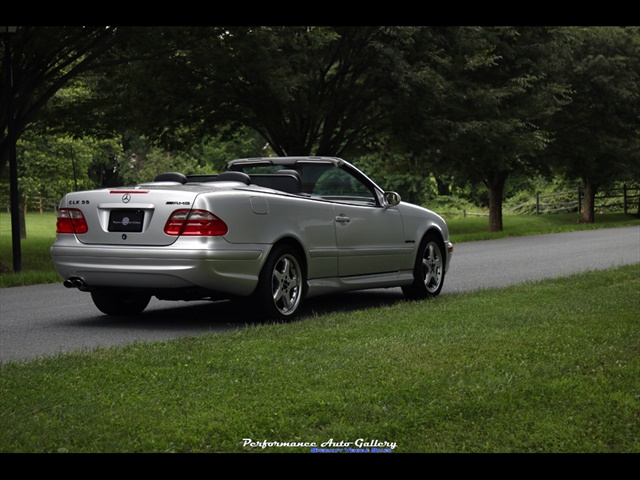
x=130, y=216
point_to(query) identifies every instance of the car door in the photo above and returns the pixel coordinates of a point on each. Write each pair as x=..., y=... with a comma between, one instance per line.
x=370, y=239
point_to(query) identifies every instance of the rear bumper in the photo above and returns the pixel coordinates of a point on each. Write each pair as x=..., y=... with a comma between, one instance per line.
x=231, y=271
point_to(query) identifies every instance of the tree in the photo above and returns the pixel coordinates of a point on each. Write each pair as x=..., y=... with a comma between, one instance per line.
x=477, y=108
x=143, y=86
x=53, y=165
x=310, y=90
x=470, y=103
x=45, y=59
x=410, y=148
x=305, y=90
x=596, y=136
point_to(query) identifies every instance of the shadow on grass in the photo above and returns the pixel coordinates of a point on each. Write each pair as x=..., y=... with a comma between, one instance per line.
x=202, y=316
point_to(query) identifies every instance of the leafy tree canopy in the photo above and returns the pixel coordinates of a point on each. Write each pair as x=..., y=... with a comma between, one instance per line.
x=596, y=134
x=468, y=104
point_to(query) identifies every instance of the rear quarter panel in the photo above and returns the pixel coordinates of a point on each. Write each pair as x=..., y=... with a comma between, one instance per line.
x=261, y=217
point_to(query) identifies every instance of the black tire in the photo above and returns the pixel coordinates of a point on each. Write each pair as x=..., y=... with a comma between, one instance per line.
x=429, y=269
x=120, y=303
x=281, y=285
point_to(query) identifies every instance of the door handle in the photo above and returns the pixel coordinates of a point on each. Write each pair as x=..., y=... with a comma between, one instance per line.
x=342, y=219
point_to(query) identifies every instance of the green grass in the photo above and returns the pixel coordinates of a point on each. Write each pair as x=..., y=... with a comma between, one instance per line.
x=35, y=248
x=37, y=266
x=477, y=227
x=541, y=367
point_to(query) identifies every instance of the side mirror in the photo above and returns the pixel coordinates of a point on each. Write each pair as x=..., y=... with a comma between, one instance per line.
x=391, y=199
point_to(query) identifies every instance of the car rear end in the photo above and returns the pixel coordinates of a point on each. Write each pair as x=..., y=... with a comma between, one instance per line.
x=161, y=239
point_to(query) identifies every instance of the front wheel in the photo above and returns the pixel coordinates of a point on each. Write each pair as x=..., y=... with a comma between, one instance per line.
x=428, y=271
x=120, y=303
x=281, y=284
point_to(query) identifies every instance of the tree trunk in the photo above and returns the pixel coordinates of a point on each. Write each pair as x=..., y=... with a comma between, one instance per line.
x=588, y=212
x=495, y=184
x=22, y=212
x=443, y=186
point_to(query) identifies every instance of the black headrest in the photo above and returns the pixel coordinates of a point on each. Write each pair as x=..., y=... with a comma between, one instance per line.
x=171, y=177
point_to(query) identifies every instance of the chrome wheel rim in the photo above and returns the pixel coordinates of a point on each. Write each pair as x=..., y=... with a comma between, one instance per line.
x=285, y=284
x=432, y=264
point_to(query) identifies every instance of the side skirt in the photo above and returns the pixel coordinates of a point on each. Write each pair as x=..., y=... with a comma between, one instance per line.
x=322, y=286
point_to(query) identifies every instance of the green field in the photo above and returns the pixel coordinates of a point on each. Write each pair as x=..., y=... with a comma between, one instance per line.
x=36, y=259
x=547, y=367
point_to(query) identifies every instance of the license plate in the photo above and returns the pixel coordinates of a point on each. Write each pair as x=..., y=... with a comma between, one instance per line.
x=126, y=220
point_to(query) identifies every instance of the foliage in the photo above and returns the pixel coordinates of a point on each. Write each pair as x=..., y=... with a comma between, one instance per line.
x=142, y=160
x=53, y=165
x=395, y=172
x=596, y=135
x=44, y=60
x=470, y=108
x=305, y=90
x=498, y=95
x=244, y=143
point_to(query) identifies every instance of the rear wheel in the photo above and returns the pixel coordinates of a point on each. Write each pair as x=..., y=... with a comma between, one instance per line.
x=281, y=284
x=429, y=268
x=120, y=303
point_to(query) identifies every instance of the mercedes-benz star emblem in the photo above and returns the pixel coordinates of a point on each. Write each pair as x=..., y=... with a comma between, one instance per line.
x=126, y=198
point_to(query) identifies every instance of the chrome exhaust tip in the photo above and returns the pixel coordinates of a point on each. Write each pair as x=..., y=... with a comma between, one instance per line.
x=75, y=282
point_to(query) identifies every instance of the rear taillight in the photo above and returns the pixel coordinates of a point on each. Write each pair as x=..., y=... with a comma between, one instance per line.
x=71, y=220
x=195, y=223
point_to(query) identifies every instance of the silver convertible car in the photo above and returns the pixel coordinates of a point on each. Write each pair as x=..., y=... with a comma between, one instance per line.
x=273, y=231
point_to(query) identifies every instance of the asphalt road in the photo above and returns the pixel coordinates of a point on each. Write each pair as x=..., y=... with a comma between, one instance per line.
x=43, y=320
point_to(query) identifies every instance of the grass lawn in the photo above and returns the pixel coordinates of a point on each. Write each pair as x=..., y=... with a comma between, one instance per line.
x=546, y=367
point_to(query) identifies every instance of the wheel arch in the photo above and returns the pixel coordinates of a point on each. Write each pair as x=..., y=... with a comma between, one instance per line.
x=279, y=293
x=297, y=246
x=434, y=229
